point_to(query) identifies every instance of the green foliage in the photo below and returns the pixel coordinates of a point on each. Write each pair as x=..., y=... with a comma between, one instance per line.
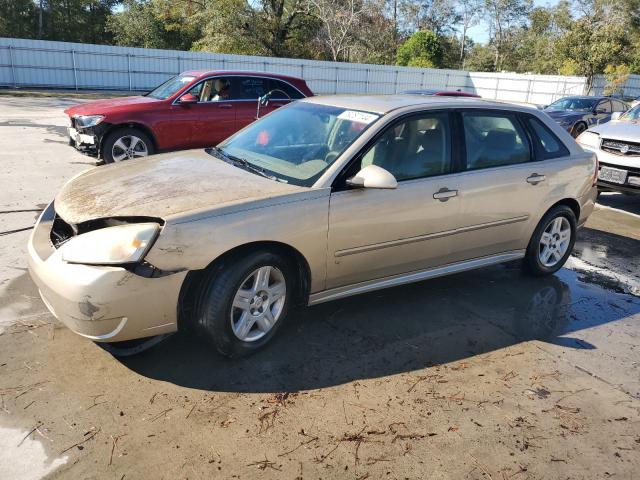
x=68, y=20
x=18, y=18
x=574, y=37
x=480, y=59
x=422, y=49
x=151, y=24
x=591, y=46
x=616, y=76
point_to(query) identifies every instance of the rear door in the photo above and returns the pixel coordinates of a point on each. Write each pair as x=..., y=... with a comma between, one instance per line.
x=603, y=112
x=250, y=88
x=501, y=186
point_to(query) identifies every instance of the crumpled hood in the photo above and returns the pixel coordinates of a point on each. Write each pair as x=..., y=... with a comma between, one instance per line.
x=616, y=130
x=161, y=186
x=103, y=107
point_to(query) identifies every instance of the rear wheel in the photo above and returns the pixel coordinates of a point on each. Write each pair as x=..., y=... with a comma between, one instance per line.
x=242, y=305
x=126, y=144
x=552, y=241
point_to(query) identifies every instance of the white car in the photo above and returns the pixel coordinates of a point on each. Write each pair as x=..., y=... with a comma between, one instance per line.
x=617, y=146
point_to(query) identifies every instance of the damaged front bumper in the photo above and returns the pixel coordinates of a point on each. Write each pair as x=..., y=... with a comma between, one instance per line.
x=102, y=303
x=87, y=140
x=82, y=140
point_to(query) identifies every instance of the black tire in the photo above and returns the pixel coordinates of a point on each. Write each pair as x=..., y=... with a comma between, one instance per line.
x=532, y=263
x=122, y=133
x=214, y=307
x=579, y=128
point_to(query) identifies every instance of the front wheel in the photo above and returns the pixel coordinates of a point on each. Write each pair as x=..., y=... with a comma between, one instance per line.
x=578, y=129
x=126, y=144
x=245, y=302
x=552, y=241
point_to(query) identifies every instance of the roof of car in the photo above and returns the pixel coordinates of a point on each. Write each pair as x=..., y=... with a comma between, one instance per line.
x=384, y=104
x=207, y=73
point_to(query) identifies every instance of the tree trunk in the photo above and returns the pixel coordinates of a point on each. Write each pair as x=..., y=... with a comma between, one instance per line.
x=464, y=38
x=40, y=21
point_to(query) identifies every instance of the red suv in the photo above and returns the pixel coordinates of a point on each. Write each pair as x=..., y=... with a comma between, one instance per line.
x=191, y=110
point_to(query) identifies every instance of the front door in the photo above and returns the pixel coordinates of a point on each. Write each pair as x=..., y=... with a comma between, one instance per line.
x=214, y=116
x=379, y=233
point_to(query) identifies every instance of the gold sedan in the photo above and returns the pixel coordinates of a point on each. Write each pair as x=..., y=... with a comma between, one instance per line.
x=322, y=199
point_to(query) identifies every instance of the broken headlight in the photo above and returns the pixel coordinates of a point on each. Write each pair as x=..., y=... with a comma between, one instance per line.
x=86, y=121
x=112, y=245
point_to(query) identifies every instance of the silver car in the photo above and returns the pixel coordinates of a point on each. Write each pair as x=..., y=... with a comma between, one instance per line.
x=323, y=199
x=617, y=146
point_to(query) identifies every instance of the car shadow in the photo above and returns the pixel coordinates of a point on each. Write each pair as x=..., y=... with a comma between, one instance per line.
x=619, y=201
x=398, y=330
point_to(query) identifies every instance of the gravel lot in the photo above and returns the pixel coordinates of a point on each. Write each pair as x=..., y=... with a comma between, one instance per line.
x=483, y=375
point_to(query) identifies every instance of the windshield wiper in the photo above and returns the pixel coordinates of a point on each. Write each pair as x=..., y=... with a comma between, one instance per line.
x=240, y=162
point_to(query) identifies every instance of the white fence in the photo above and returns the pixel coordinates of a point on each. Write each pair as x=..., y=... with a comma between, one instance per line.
x=37, y=63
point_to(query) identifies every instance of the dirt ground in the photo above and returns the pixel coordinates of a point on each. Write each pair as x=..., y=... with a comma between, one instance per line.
x=482, y=375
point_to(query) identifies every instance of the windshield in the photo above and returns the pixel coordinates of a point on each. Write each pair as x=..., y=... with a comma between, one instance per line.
x=170, y=87
x=632, y=115
x=573, y=104
x=297, y=143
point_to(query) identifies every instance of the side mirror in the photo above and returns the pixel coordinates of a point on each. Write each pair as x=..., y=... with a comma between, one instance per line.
x=187, y=99
x=373, y=176
x=616, y=115
x=599, y=111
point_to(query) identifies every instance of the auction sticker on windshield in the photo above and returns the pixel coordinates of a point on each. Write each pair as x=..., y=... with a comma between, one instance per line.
x=356, y=116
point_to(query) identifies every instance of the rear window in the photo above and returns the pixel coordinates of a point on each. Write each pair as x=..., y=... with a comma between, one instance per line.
x=493, y=139
x=546, y=144
x=290, y=91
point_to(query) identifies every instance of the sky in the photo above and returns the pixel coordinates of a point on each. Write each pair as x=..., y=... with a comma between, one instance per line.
x=480, y=33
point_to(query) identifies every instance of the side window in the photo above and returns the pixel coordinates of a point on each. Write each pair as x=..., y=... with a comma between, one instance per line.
x=619, y=106
x=493, y=140
x=250, y=88
x=415, y=148
x=604, y=106
x=197, y=90
x=293, y=93
x=546, y=144
x=213, y=90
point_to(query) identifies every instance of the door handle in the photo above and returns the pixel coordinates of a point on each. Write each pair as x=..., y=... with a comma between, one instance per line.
x=225, y=106
x=535, y=179
x=445, y=194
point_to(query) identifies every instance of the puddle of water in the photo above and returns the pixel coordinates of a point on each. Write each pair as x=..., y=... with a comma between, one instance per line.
x=24, y=458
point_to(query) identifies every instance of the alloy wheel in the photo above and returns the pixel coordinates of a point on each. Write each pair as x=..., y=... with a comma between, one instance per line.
x=554, y=241
x=128, y=147
x=258, y=303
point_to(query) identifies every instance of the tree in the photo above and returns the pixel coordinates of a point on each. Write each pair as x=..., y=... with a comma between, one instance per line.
x=439, y=16
x=340, y=20
x=590, y=46
x=280, y=28
x=376, y=41
x=469, y=13
x=17, y=18
x=616, y=76
x=140, y=24
x=480, y=59
x=422, y=49
x=77, y=20
x=503, y=16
